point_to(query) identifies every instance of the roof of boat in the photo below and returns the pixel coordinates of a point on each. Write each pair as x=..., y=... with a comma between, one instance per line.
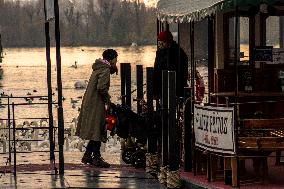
x=194, y=10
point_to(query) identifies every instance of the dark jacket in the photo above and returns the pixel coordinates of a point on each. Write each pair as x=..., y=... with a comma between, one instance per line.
x=168, y=59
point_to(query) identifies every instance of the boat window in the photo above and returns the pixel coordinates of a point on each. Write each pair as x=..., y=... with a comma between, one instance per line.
x=273, y=29
x=242, y=32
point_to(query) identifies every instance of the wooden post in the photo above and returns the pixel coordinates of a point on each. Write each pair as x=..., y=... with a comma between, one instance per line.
x=234, y=165
x=187, y=123
x=209, y=165
x=192, y=66
x=213, y=170
x=59, y=89
x=152, y=138
x=14, y=140
x=122, y=86
x=9, y=129
x=281, y=31
x=281, y=41
x=165, y=115
x=173, y=152
x=139, y=83
x=49, y=88
x=227, y=171
x=128, y=84
x=211, y=54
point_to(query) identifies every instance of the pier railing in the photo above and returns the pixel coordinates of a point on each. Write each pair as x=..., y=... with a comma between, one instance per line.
x=21, y=132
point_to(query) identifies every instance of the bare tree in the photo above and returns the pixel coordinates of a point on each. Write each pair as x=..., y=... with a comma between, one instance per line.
x=137, y=9
x=106, y=10
x=88, y=22
x=73, y=18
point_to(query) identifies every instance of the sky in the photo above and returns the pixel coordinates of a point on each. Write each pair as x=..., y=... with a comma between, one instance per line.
x=150, y=2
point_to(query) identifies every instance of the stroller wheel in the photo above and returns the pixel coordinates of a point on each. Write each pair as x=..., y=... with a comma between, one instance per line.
x=138, y=159
x=126, y=155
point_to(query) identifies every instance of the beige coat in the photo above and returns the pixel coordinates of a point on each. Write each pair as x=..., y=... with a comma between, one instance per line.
x=91, y=120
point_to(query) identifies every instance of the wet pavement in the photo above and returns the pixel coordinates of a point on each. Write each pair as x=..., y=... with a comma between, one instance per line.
x=122, y=177
x=35, y=171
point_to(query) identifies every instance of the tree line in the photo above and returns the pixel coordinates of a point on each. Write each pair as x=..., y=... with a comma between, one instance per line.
x=85, y=22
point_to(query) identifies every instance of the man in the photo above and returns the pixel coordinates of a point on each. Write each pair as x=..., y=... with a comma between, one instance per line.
x=91, y=120
x=169, y=56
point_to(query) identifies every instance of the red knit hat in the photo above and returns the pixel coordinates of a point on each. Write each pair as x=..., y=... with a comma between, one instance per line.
x=165, y=36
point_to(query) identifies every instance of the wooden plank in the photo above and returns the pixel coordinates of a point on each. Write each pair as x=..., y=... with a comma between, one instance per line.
x=257, y=123
x=260, y=139
x=253, y=94
x=263, y=143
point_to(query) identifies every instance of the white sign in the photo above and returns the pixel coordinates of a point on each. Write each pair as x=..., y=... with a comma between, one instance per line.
x=214, y=128
x=278, y=55
x=49, y=7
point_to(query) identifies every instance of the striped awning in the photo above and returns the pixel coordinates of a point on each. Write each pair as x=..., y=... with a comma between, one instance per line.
x=189, y=10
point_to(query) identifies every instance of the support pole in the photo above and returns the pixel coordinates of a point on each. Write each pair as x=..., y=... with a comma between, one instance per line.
x=9, y=128
x=192, y=81
x=59, y=88
x=164, y=128
x=173, y=152
x=139, y=83
x=152, y=138
x=281, y=31
x=235, y=160
x=128, y=84
x=122, y=85
x=165, y=115
x=49, y=88
x=151, y=155
x=173, y=175
x=14, y=140
x=187, y=131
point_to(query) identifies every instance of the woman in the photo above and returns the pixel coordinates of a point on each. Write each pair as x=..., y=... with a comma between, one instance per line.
x=91, y=120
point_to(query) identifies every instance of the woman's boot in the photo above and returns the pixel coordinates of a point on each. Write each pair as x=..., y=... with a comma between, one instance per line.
x=98, y=161
x=87, y=158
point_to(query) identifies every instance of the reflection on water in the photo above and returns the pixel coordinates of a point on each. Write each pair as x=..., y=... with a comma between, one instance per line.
x=25, y=72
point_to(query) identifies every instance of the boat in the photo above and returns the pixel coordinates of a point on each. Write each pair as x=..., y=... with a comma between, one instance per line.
x=242, y=120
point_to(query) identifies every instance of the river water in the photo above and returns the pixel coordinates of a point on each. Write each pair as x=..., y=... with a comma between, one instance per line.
x=25, y=73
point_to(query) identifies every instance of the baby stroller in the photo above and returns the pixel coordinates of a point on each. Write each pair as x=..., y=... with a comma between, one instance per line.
x=129, y=125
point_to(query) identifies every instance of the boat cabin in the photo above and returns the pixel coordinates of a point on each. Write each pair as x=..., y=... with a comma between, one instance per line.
x=242, y=116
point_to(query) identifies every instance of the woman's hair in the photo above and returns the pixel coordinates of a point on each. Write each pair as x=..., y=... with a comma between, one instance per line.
x=109, y=54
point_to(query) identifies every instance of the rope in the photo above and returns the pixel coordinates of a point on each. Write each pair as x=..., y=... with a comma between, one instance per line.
x=151, y=162
x=173, y=179
x=163, y=175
